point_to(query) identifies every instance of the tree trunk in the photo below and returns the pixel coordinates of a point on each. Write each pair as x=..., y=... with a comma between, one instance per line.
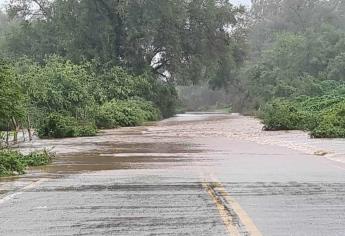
x=8, y=135
x=16, y=130
x=29, y=128
x=23, y=131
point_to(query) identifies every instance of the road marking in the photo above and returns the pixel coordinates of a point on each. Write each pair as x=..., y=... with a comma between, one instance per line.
x=235, y=218
x=241, y=213
x=22, y=190
x=9, y=197
x=224, y=214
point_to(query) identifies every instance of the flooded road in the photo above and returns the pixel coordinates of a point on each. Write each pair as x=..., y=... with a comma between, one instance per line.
x=195, y=174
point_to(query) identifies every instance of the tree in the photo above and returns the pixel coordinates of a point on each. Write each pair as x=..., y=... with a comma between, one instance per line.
x=177, y=40
x=11, y=99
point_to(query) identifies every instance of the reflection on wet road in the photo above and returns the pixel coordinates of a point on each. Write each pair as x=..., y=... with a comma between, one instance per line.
x=195, y=174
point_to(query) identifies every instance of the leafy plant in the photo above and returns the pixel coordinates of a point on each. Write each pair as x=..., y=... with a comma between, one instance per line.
x=61, y=126
x=119, y=113
x=281, y=115
x=323, y=116
x=13, y=162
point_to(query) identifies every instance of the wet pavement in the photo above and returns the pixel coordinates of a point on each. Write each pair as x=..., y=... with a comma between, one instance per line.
x=195, y=174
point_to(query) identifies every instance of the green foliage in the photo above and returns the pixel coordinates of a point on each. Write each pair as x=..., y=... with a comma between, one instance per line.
x=281, y=115
x=148, y=111
x=63, y=99
x=295, y=51
x=119, y=113
x=74, y=58
x=165, y=98
x=10, y=162
x=186, y=38
x=323, y=116
x=13, y=162
x=11, y=97
x=117, y=84
x=332, y=122
x=60, y=126
x=56, y=86
x=295, y=74
x=336, y=68
x=294, y=65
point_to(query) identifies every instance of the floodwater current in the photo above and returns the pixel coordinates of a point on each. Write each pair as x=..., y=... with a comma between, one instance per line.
x=193, y=174
x=169, y=141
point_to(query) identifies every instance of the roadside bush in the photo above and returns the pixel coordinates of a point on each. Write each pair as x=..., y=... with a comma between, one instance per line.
x=323, y=116
x=38, y=158
x=165, y=98
x=13, y=162
x=332, y=123
x=125, y=113
x=118, y=84
x=328, y=130
x=149, y=111
x=281, y=115
x=60, y=126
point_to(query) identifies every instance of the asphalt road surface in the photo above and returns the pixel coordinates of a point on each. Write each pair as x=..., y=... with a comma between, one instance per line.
x=195, y=174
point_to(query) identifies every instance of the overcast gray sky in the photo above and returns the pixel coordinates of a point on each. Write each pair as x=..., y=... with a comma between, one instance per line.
x=2, y=2
x=243, y=2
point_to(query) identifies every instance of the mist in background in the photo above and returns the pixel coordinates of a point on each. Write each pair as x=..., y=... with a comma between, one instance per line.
x=242, y=2
x=2, y=2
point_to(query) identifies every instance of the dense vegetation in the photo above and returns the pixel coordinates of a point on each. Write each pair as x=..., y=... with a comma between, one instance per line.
x=294, y=73
x=117, y=113
x=13, y=162
x=70, y=67
x=61, y=99
x=323, y=116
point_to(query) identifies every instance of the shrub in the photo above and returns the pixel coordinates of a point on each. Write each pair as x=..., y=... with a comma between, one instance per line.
x=118, y=84
x=38, y=158
x=126, y=113
x=149, y=111
x=332, y=123
x=13, y=162
x=281, y=115
x=328, y=130
x=323, y=116
x=61, y=126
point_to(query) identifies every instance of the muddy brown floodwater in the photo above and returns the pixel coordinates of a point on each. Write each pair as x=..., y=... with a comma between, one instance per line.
x=194, y=174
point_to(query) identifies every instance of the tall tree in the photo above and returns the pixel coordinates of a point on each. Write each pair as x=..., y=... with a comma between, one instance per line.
x=183, y=40
x=11, y=99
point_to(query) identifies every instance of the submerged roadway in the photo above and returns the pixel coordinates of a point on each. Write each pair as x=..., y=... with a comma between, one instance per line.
x=195, y=174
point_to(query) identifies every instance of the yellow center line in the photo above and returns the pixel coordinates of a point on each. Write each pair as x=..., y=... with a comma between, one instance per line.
x=217, y=192
x=241, y=213
x=228, y=222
